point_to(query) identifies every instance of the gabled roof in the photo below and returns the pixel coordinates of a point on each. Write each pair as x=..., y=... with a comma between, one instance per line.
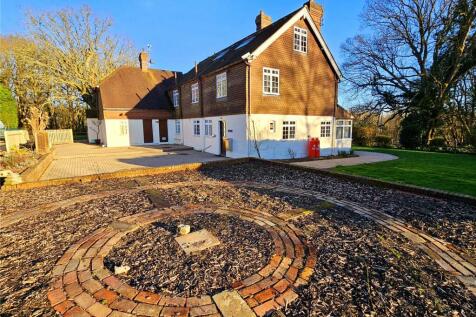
x=130, y=87
x=252, y=45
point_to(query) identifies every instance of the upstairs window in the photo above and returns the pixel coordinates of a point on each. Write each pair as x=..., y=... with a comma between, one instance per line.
x=195, y=95
x=221, y=85
x=270, y=81
x=196, y=127
x=344, y=129
x=325, y=129
x=176, y=98
x=289, y=130
x=300, y=40
x=178, y=127
x=208, y=128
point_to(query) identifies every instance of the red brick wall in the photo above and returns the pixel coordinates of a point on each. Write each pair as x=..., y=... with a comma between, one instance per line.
x=307, y=81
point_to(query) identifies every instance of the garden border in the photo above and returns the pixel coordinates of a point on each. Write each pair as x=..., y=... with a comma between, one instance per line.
x=33, y=173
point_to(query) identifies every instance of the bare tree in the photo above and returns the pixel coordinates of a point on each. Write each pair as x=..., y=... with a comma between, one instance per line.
x=37, y=120
x=416, y=51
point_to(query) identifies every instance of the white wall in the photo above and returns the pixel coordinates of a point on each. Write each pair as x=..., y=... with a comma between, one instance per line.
x=272, y=146
x=235, y=129
x=125, y=132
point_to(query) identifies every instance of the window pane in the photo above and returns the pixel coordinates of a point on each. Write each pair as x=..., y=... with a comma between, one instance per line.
x=339, y=133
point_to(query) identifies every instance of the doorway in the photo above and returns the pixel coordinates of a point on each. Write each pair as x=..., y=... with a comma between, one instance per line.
x=148, y=134
x=222, y=138
x=163, y=131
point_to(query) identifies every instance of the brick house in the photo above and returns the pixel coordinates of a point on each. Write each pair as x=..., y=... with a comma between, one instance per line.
x=266, y=95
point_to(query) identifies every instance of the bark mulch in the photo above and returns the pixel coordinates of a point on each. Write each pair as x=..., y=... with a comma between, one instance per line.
x=30, y=248
x=364, y=269
x=158, y=264
x=452, y=221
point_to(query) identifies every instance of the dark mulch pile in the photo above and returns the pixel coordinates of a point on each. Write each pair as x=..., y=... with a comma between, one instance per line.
x=452, y=221
x=158, y=263
x=30, y=248
x=363, y=269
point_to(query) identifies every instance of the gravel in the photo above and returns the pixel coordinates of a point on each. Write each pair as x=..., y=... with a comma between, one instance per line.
x=158, y=263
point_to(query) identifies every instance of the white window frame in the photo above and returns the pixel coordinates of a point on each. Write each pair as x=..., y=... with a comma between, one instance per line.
x=208, y=127
x=270, y=77
x=344, y=129
x=196, y=127
x=300, y=40
x=195, y=93
x=272, y=126
x=326, y=128
x=222, y=85
x=178, y=127
x=289, y=130
x=176, y=98
x=123, y=128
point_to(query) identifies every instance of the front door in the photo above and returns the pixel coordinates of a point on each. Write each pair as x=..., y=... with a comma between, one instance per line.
x=148, y=134
x=163, y=131
x=222, y=139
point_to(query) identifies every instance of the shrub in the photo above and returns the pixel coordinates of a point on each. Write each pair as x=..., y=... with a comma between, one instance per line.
x=383, y=141
x=411, y=131
x=8, y=109
x=437, y=143
x=363, y=135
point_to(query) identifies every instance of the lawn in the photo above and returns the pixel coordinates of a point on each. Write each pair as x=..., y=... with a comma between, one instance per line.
x=444, y=171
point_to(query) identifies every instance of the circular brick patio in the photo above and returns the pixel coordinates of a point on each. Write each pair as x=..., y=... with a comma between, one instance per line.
x=82, y=285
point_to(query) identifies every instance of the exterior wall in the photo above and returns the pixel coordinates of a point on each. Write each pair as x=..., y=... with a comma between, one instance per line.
x=123, y=132
x=235, y=126
x=307, y=81
x=233, y=103
x=272, y=146
x=135, y=114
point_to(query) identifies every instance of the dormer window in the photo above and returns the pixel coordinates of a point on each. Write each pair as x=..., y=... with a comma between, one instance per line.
x=176, y=98
x=195, y=96
x=300, y=40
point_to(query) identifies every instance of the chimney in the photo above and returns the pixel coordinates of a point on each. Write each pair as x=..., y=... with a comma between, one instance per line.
x=144, y=61
x=262, y=20
x=196, y=69
x=316, y=11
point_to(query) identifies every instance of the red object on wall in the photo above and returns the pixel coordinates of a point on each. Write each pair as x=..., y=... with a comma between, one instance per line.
x=311, y=148
x=317, y=152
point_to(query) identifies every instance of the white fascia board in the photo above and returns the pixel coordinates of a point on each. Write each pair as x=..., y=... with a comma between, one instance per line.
x=303, y=13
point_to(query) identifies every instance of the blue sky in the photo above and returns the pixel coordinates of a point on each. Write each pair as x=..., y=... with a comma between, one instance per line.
x=185, y=31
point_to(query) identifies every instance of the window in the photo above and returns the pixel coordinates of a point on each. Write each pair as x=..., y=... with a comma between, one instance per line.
x=289, y=130
x=221, y=85
x=272, y=126
x=325, y=129
x=123, y=128
x=300, y=40
x=196, y=127
x=270, y=81
x=208, y=128
x=195, y=96
x=177, y=127
x=176, y=98
x=344, y=129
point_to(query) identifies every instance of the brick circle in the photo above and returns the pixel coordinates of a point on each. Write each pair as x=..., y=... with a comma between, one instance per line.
x=82, y=286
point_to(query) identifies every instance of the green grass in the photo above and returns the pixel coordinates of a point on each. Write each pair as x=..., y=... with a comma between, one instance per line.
x=450, y=172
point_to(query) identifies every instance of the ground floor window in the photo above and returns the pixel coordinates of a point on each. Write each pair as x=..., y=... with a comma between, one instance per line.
x=289, y=130
x=123, y=128
x=208, y=128
x=344, y=129
x=177, y=127
x=326, y=129
x=196, y=127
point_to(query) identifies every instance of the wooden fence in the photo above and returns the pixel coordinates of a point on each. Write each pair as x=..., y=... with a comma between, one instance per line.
x=64, y=136
x=14, y=138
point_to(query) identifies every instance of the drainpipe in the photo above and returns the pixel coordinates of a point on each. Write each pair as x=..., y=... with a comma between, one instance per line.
x=334, y=127
x=248, y=104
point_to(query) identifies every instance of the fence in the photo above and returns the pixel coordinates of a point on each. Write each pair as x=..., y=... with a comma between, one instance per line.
x=13, y=138
x=60, y=136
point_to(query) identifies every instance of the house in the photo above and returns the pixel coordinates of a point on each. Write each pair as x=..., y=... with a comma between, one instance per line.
x=264, y=95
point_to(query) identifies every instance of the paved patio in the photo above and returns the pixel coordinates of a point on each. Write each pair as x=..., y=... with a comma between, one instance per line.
x=80, y=159
x=364, y=157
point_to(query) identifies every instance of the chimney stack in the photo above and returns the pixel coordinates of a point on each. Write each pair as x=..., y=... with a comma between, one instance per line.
x=316, y=11
x=196, y=68
x=144, y=61
x=262, y=20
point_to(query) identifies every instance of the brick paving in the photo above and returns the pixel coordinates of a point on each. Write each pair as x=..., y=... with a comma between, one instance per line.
x=83, y=287
x=92, y=290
